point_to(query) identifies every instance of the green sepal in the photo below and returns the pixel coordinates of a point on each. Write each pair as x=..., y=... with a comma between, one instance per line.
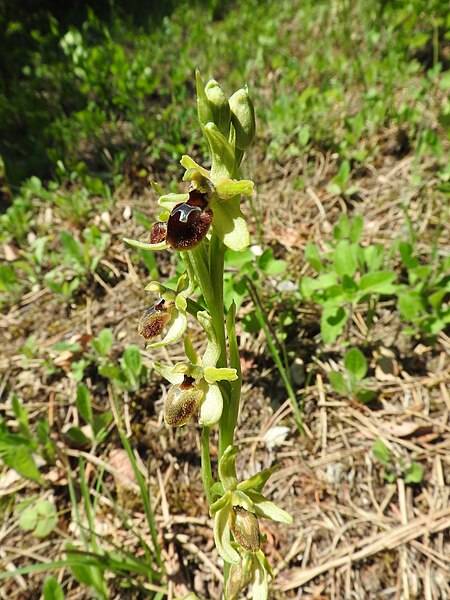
x=229, y=223
x=267, y=509
x=212, y=405
x=222, y=536
x=157, y=188
x=227, y=469
x=217, y=490
x=189, y=163
x=166, y=371
x=190, y=352
x=258, y=481
x=212, y=352
x=213, y=374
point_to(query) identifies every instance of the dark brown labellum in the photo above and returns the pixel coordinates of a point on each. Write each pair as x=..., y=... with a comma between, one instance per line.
x=189, y=222
x=245, y=528
x=182, y=402
x=158, y=233
x=153, y=321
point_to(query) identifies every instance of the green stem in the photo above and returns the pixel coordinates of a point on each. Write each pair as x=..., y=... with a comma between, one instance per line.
x=206, y=464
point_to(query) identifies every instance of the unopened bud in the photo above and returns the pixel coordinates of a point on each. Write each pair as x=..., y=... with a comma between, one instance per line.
x=219, y=105
x=182, y=402
x=153, y=321
x=245, y=528
x=235, y=582
x=242, y=118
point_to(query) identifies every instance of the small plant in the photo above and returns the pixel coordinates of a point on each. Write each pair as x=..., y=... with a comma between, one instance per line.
x=37, y=516
x=201, y=225
x=348, y=275
x=412, y=473
x=352, y=383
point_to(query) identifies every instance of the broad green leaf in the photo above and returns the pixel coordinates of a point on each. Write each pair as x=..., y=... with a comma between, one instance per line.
x=332, y=323
x=100, y=424
x=83, y=403
x=381, y=451
x=338, y=383
x=20, y=459
x=75, y=436
x=411, y=305
x=355, y=362
x=28, y=518
x=341, y=230
x=345, y=259
x=356, y=227
x=52, y=590
x=313, y=257
x=365, y=396
x=103, y=342
x=72, y=247
x=132, y=359
x=380, y=282
x=47, y=518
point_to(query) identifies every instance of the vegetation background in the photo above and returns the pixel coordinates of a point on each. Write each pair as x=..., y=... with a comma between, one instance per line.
x=343, y=299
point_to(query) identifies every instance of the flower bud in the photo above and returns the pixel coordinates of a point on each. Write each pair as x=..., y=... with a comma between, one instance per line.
x=182, y=402
x=153, y=321
x=158, y=233
x=235, y=582
x=245, y=528
x=219, y=105
x=189, y=222
x=242, y=118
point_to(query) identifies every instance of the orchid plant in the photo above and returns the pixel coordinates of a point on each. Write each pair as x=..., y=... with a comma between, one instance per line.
x=201, y=224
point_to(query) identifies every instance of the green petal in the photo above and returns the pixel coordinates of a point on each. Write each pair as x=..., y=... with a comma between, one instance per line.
x=170, y=200
x=228, y=188
x=145, y=245
x=222, y=536
x=269, y=510
x=230, y=225
x=212, y=374
x=168, y=373
x=227, y=469
x=212, y=406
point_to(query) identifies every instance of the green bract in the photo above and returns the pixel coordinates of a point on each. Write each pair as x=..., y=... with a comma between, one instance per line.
x=246, y=495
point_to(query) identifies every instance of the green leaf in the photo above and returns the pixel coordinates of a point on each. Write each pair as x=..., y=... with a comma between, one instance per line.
x=332, y=323
x=365, y=396
x=132, y=360
x=410, y=305
x=72, y=247
x=355, y=362
x=77, y=437
x=21, y=460
x=414, y=473
x=47, y=518
x=270, y=265
x=345, y=260
x=100, y=424
x=28, y=518
x=83, y=403
x=380, y=282
x=313, y=257
x=338, y=383
x=356, y=228
x=103, y=342
x=381, y=451
x=52, y=590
